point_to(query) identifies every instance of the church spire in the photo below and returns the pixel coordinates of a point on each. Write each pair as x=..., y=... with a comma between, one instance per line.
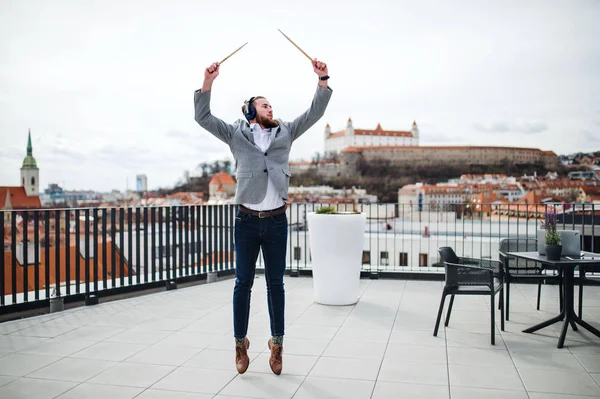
x=29, y=161
x=29, y=146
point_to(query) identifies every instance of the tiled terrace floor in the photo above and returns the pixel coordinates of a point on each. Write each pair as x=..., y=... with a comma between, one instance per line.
x=178, y=344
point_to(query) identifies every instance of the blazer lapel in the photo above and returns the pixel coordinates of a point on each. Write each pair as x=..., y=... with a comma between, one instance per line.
x=247, y=132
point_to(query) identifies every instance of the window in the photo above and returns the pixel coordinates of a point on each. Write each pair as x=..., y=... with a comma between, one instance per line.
x=297, y=253
x=366, y=258
x=32, y=181
x=384, y=258
x=403, y=259
x=422, y=259
x=23, y=184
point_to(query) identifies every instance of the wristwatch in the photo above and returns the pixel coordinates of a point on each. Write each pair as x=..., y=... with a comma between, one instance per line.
x=324, y=77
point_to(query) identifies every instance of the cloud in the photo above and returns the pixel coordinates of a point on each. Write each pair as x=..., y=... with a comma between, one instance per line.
x=525, y=127
x=590, y=138
x=440, y=138
x=178, y=134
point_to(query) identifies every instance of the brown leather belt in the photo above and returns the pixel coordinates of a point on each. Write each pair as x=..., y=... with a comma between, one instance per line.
x=263, y=214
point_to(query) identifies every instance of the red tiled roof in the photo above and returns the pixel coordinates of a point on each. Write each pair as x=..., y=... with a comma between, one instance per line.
x=19, y=198
x=221, y=178
x=378, y=131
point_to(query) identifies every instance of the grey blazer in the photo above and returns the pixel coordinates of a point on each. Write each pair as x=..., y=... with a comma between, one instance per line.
x=252, y=165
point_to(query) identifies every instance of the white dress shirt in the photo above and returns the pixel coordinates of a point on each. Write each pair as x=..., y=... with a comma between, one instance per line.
x=272, y=200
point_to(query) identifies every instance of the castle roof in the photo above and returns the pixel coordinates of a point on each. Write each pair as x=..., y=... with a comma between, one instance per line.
x=378, y=131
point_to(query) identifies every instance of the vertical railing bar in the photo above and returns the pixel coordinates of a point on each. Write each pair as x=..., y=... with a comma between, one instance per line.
x=104, y=248
x=113, y=247
x=36, y=239
x=138, y=257
x=13, y=234
x=68, y=251
x=122, y=247
x=168, y=211
x=2, y=265
x=161, y=246
x=25, y=257
x=46, y=253
x=87, y=250
x=77, y=251
x=153, y=249
x=130, y=234
x=146, y=244
x=57, y=251
x=95, y=249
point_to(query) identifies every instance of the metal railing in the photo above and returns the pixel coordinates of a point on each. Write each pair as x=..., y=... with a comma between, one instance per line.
x=75, y=253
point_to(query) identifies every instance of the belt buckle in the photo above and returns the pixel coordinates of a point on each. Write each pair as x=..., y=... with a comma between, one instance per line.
x=262, y=214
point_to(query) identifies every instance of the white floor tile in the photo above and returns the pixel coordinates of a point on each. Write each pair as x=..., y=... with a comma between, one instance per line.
x=259, y=385
x=560, y=381
x=188, y=379
x=112, y=351
x=396, y=370
x=395, y=390
x=99, y=391
x=337, y=367
x=165, y=355
x=19, y=365
x=132, y=374
x=26, y=388
x=330, y=388
x=71, y=369
x=485, y=377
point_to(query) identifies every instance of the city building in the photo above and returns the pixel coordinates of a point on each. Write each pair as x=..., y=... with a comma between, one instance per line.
x=221, y=188
x=141, y=183
x=350, y=137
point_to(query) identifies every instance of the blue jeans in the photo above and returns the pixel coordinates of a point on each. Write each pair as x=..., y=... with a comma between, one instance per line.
x=252, y=234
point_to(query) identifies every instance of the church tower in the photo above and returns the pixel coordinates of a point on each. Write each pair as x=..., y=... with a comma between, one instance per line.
x=30, y=174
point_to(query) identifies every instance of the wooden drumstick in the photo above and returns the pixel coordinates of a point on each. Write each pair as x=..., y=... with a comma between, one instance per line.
x=233, y=53
x=291, y=41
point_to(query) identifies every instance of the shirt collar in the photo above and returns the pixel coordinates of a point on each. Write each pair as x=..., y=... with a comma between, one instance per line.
x=255, y=127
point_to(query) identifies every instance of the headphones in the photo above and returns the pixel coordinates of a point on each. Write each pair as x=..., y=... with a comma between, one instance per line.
x=250, y=110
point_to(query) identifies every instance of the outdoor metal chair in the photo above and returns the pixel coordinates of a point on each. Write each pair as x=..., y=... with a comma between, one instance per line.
x=588, y=275
x=467, y=276
x=525, y=269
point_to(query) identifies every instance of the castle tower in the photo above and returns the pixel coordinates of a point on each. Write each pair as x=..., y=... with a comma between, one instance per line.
x=415, y=130
x=349, y=128
x=327, y=131
x=30, y=174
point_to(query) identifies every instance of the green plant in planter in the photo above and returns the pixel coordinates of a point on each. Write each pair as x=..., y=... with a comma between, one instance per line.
x=549, y=224
x=328, y=210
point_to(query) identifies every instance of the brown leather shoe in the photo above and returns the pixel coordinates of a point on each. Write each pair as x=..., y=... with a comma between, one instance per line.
x=241, y=356
x=275, y=361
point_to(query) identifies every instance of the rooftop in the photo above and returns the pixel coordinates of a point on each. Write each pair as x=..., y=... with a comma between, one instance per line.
x=178, y=344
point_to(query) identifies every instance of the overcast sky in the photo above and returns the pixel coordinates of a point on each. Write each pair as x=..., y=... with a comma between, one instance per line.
x=107, y=86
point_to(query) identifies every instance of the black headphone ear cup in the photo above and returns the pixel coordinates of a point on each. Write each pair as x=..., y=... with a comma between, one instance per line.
x=250, y=110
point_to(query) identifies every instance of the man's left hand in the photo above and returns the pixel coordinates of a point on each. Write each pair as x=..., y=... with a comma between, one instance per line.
x=320, y=68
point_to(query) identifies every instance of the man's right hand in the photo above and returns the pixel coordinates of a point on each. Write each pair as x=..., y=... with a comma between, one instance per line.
x=212, y=72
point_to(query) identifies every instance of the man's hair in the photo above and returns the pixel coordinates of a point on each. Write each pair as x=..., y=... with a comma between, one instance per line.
x=245, y=106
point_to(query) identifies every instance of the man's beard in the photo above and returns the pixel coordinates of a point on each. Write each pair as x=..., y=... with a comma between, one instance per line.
x=265, y=122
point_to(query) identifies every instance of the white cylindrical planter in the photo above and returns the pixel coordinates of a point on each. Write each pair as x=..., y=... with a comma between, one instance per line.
x=336, y=245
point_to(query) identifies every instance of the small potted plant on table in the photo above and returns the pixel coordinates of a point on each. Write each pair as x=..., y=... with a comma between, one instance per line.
x=552, y=237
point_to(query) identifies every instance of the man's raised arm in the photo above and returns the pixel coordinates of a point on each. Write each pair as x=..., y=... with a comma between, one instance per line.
x=204, y=117
x=317, y=108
